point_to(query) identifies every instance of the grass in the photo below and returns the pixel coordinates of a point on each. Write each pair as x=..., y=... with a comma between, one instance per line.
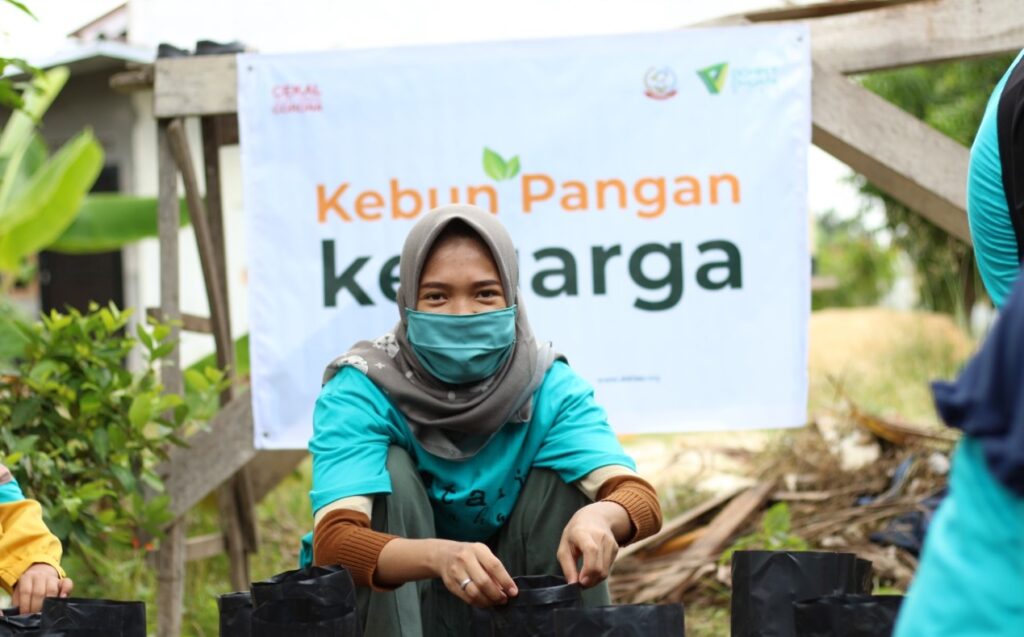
x=888, y=378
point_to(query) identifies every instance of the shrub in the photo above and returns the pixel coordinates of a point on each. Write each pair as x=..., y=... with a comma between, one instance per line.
x=84, y=435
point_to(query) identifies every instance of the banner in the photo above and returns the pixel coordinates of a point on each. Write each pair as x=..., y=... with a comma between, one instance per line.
x=655, y=186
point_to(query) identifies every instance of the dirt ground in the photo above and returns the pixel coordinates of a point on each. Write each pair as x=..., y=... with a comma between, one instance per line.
x=881, y=356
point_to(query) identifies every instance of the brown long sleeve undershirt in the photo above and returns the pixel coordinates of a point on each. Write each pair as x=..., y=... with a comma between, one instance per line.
x=345, y=537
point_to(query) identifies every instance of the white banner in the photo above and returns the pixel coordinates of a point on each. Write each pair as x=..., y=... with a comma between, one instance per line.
x=655, y=186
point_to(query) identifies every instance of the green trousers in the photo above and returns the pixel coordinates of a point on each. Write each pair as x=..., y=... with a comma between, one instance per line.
x=526, y=545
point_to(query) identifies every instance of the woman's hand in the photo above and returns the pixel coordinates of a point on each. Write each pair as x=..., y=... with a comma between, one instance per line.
x=489, y=584
x=36, y=583
x=594, y=533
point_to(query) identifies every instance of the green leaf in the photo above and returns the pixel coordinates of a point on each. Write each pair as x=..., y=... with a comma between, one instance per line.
x=108, y=222
x=196, y=381
x=33, y=159
x=51, y=197
x=13, y=458
x=213, y=374
x=168, y=401
x=42, y=370
x=141, y=411
x=161, y=331
x=494, y=165
x=163, y=350
x=101, y=442
x=20, y=128
x=22, y=7
x=93, y=491
x=13, y=339
x=144, y=337
x=25, y=411
x=124, y=476
x=512, y=168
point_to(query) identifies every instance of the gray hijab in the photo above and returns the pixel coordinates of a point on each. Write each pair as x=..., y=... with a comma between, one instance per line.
x=453, y=421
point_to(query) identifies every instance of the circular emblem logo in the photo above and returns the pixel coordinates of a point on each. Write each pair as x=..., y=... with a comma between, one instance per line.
x=660, y=83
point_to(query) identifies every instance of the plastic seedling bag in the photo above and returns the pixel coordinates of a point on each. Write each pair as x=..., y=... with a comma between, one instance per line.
x=847, y=616
x=300, y=618
x=627, y=620
x=78, y=617
x=235, y=614
x=330, y=586
x=531, y=613
x=14, y=625
x=766, y=583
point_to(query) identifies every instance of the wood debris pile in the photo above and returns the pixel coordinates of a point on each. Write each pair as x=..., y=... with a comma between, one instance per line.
x=842, y=478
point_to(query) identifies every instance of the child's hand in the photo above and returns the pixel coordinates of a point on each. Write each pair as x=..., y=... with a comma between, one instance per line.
x=37, y=582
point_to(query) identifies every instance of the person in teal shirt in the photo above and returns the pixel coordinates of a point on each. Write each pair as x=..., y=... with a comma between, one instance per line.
x=457, y=451
x=970, y=580
x=995, y=186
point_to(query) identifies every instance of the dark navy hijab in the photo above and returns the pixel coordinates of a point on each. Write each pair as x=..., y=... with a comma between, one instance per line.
x=987, y=400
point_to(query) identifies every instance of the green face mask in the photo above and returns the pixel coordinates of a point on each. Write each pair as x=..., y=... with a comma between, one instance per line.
x=461, y=348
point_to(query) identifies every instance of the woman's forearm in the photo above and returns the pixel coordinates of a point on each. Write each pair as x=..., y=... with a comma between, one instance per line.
x=403, y=560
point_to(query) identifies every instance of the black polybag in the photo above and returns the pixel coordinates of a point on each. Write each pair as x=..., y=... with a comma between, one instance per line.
x=864, y=576
x=79, y=617
x=847, y=616
x=531, y=612
x=14, y=625
x=626, y=620
x=235, y=614
x=311, y=602
x=766, y=583
x=321, y=585
x=301, y=618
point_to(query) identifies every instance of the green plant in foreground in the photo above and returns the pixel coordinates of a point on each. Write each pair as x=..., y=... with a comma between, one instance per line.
x=774, y=534
x=83, y=435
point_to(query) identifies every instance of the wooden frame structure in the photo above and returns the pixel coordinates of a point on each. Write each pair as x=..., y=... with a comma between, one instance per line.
x=902, y=155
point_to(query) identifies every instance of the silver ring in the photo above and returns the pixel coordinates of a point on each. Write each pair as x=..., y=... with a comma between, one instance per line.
x=466, y=582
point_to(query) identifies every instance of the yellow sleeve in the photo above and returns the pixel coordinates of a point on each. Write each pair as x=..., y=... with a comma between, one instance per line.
x=24, y=541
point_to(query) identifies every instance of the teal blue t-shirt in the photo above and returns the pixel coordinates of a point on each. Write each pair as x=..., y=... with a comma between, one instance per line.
x=995, y=244
x=354, y=424
x=971, y=577
x=10, y=492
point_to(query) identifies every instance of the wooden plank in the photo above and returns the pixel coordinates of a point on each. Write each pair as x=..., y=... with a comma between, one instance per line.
x=133, y=80
x=189, y=322
x=675, y=525
x=207, y=250
x=820, y=9
x=202, y=547
x=213, y=456
x=917, y=33
x=708, y=545
x=902, y=33
x=898, y=34
x=270, y=467
x=170, y=581
x=204, y=85
x=899, y=153
x=170, y=557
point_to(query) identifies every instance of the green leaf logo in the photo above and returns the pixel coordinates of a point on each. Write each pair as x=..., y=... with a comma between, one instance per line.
x=714, y=77
x=497, y=168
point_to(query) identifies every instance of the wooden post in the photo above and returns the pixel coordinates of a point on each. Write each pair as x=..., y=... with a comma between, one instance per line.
x=171, y=554
x=239, y=489
x=228, y=499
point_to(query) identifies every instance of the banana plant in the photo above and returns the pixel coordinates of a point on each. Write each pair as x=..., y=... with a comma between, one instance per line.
x=40, y=194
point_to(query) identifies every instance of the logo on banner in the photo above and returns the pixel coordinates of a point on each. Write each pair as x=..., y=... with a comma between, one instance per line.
x=296, y=98
x=714, y=77
x=660, y=83
x=497, y=168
